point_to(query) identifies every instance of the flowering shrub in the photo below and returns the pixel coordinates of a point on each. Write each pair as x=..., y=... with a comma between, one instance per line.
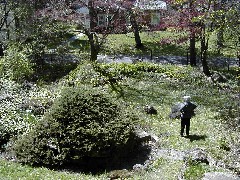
x=12, y=121
x=21, y=107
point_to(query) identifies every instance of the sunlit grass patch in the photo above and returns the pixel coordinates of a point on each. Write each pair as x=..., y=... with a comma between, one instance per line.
x=162, y=43
x=195, y=171
x=161, y=169
x=15, y=171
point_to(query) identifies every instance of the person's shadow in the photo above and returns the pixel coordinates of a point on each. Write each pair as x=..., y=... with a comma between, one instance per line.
x=195, y=137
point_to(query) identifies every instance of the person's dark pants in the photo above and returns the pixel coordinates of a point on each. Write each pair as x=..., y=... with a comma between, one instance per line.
x=185, y=122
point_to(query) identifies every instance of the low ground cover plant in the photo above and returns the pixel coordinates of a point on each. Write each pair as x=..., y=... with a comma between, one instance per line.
x=13, y=121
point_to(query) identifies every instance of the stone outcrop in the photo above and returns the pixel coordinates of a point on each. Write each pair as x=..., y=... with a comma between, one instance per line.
x=198, y=155
x=150, y=109
x=219, y=78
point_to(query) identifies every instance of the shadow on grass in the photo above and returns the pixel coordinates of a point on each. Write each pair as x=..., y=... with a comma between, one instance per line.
x=141, y=97
x=195, y=137
x=168, y=49
x=155, y=48
x=149, y=95
x=98, y=165
x=51, y=72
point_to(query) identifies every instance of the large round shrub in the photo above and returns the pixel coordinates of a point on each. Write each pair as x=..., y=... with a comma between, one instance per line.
x=82, y=123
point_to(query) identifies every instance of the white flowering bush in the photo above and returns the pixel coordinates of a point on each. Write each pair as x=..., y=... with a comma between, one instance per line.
x=21, y=108
x=11, y=119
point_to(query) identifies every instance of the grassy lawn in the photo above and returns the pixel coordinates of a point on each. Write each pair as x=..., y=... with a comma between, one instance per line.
x=124, y=44
x=14, y=171
x=162, y=89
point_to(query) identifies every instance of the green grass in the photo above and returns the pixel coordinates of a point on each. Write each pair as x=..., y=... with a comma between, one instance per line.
x=163, y=169
x=124, y=44
x=161, y=88
x=14, y=171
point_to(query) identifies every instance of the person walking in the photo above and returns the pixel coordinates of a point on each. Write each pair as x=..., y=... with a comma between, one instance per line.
x=187, y=112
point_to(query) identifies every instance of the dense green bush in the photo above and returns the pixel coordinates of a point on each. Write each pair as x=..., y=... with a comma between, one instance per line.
x=126, y=69
x=82, y=123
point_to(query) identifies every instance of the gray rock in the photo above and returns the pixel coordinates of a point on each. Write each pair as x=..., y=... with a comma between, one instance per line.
x=217, y=77
x=138, y=167
x=154, y=138
x=143, y=135
x=171, y=154
x=198, y=155
x=6, y=97
x=27, y=85
x=219, y=176
x=150, y=109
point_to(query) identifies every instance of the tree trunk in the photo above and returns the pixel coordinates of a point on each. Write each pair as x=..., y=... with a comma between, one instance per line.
x=1, y=50
x=192, y=39
x=204, y=48
x=94, y=47
x=17, y=28
x=135, y=27
x=92, y=15
x=137, y=39
x=219, y=40
x=94, y=53
x=192, y=51
x=206, y=70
